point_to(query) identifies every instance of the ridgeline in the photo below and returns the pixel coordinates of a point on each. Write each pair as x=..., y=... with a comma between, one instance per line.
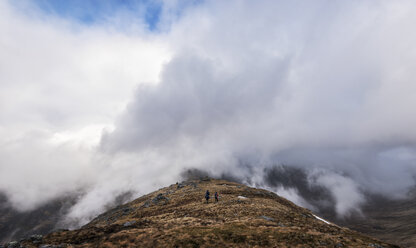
x=178, y=216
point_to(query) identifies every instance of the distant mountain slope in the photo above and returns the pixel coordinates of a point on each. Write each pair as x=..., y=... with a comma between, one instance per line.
x=390, y=221
x=15, y=225
x=177, y=216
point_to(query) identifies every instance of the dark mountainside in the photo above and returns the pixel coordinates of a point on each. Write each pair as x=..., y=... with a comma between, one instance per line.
x=15, y=225
x=387, y=220
x=177, y=216
x=392, y=221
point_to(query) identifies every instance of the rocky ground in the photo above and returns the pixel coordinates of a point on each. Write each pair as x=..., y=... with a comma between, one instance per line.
x=177, y=216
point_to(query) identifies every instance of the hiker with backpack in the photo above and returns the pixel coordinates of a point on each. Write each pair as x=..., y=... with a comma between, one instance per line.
x=207, y=196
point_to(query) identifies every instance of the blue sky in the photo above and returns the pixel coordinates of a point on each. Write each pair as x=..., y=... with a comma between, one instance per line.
x=90, y=12
x=93, y=11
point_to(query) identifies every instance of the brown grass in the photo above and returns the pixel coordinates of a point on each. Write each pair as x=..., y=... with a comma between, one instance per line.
x=185, y=220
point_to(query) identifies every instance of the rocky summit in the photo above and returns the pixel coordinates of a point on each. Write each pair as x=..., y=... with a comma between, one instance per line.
x=179, y=216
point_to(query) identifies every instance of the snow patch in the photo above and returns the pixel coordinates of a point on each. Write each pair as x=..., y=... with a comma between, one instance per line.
x=319, y=218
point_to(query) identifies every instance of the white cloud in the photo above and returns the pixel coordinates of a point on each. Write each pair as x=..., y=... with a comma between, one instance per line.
x=346, y=193
x=317, y=84
x=61, y=86
x=314, y=84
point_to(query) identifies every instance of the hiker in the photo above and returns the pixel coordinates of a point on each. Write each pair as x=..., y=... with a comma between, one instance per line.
x=207, y=196
x=216, y=196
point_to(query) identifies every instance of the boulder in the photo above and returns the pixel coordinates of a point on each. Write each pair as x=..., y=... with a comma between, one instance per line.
x=129, y=223
x=160, y=199
x=267, y=218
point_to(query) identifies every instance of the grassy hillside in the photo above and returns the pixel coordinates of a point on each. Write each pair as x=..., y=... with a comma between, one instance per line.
x=177, y=216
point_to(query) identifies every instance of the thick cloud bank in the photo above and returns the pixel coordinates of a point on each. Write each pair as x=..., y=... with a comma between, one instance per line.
x=324, y=87
x=327, y=85
x=61, y=85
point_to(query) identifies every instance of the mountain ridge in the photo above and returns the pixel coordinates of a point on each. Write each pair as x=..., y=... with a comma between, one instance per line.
x=177, y=216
